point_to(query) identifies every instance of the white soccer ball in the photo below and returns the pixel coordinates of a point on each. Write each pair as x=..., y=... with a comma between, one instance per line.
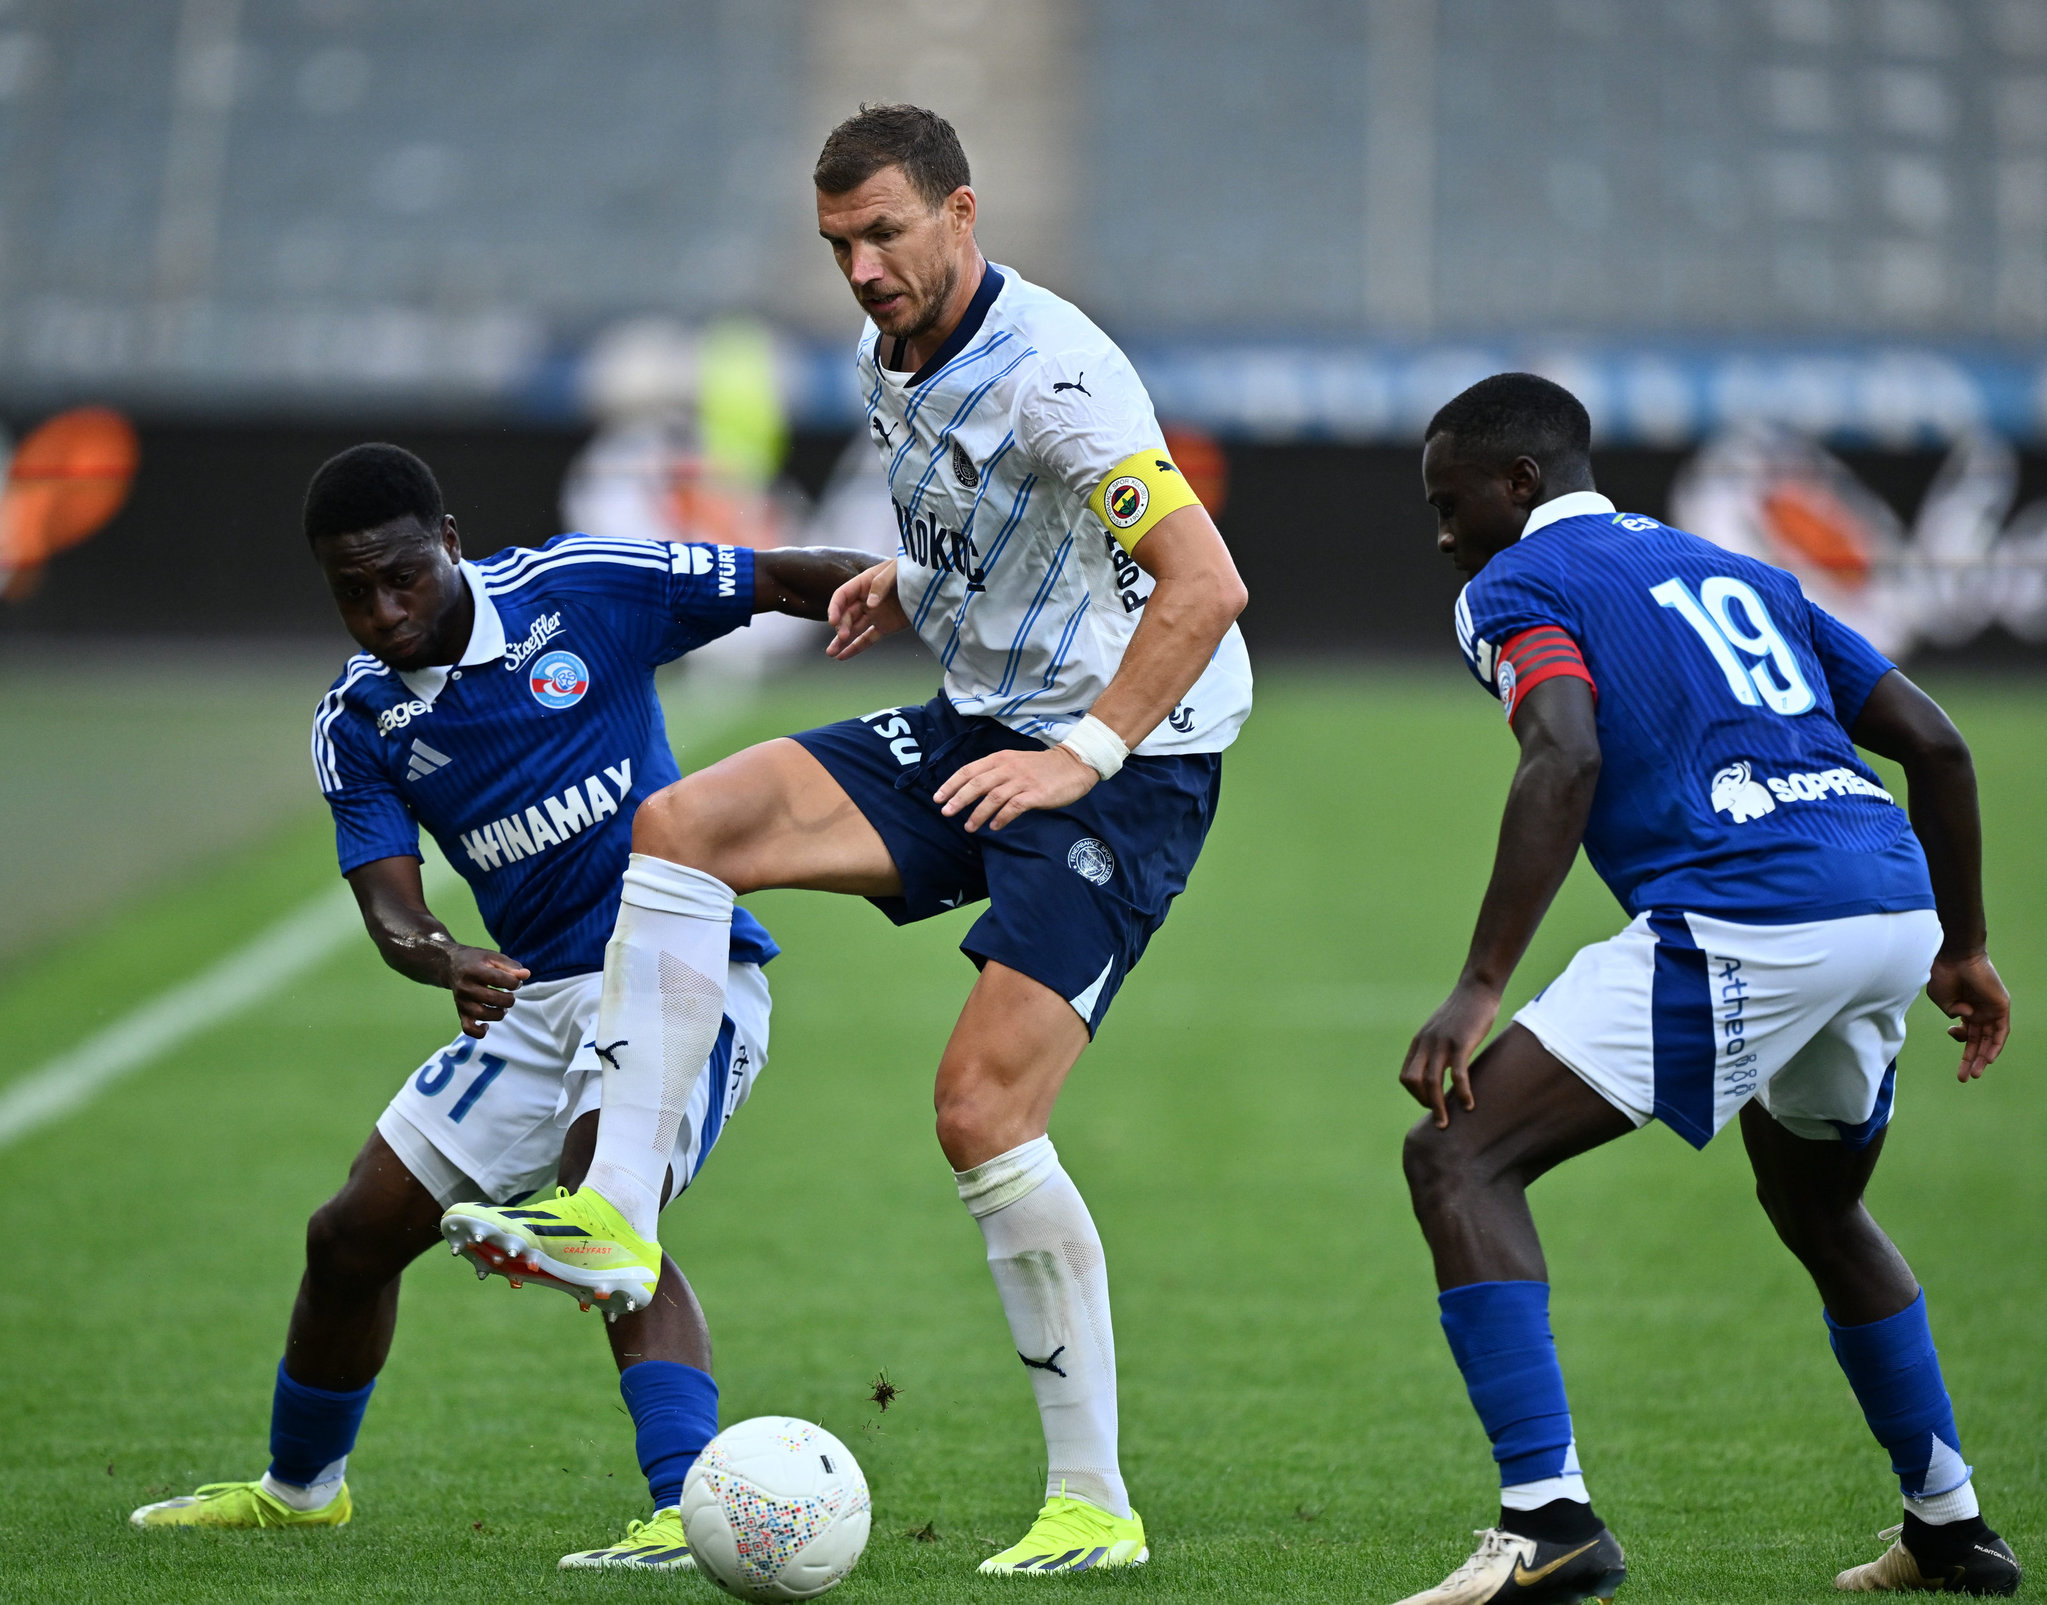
x=775, y=1508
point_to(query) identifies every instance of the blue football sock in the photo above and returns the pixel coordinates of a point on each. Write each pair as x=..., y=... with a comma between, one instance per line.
x=1499, y=1333
x=675, y=1409
x=1895, y=1373
x=311, y=1429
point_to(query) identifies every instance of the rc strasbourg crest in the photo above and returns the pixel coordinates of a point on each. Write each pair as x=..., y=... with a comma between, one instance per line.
x=559, y=679
x=963, y=468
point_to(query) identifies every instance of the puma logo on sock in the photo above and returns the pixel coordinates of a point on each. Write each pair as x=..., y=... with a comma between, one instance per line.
x=1049, y=1363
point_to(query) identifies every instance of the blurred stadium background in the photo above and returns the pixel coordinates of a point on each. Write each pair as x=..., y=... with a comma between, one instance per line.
x=1792, y=254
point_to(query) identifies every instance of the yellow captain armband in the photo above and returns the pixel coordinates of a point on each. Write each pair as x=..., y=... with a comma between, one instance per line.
x=1140, y=491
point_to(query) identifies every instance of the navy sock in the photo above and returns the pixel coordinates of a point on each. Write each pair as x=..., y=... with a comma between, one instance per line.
x=311, y=1428
x=1499, y=1333
x=675, y=1411
x=1895, y=1373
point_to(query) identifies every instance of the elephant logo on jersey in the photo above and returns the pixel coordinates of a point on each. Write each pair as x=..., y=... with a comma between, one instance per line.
x=963, y=468
x=1125, y=501
x=1091, y=860
x=559, y=680
x=1736, y=792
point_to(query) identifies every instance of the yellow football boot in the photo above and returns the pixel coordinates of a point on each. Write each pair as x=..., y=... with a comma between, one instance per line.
x=1071, y=1535
x=241, y=1504
x=659, y=1545
x=575, y=1242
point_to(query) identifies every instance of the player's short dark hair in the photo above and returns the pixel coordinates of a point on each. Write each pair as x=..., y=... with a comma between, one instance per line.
x=1517, y=415
x=367, y=486
x=920, y=142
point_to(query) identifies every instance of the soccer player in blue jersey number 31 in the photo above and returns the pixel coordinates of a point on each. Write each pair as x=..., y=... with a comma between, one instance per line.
x=508, y=706
x=1692, y=719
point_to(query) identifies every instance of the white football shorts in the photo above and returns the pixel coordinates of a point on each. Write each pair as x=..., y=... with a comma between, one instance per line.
x=483, y=1121
x=1684, y=1017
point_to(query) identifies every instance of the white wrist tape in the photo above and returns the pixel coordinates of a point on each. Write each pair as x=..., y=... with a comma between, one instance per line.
x=1097, y=746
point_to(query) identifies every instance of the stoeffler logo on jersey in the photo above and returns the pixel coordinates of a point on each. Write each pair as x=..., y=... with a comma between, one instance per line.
x=700, y=561
x=545, y=629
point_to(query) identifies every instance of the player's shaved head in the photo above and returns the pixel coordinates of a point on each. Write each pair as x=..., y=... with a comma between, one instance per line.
x=369, y=486
x=1518, y=415
x=920, y=142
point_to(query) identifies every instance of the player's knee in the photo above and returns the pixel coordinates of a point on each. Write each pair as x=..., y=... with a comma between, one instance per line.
x=691, y=823
x=343, y=1247
x=1428, y=1160
x=972, y=1125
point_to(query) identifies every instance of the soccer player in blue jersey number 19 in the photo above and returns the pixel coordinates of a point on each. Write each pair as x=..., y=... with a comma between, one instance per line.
x=508, y=707
x=1692, y=719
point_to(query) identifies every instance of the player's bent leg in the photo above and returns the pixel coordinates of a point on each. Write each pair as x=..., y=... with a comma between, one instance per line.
x=1812, y=1191
x=357, y=1245
x=1469, y=1184
x=769, y=816
x=1009, y=1055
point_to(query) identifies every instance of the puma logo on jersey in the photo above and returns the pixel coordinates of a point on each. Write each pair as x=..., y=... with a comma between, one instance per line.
x=881, y=430
x=529, y=832
x=1074, y=384
x=963, y=468
x=425, y=761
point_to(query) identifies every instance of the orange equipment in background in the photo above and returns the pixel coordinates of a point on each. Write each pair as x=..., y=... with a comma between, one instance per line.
x=67, y=479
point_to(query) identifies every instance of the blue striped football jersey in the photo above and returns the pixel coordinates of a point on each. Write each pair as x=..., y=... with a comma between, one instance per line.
x=1729, y=784
x=526, y=760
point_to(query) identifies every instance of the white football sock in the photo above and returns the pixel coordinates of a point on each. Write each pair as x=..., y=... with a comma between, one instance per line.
x=664, y=999
x=1568, y=1484
x=1046, y=1257
x=316, y=1495
x=1957, y=1504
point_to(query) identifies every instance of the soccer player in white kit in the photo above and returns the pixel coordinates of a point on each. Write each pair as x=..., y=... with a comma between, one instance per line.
x=1083, y=607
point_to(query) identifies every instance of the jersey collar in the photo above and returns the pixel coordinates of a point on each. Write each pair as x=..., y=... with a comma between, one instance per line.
x=956, y=342
x=486, y=641
x=1573, y=504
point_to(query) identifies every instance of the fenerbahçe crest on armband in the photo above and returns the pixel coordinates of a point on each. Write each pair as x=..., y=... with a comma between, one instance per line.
x=1140, y=490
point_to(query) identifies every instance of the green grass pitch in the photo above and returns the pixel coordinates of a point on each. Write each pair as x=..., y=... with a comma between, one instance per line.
x=1293, y=1426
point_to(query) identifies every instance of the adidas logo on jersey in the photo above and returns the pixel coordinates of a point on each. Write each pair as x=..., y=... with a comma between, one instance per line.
x=530, y=832
x=425, y=761
x=1738, y=794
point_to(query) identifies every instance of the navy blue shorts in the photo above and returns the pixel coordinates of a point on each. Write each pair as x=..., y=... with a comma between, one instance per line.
x=1074, y=893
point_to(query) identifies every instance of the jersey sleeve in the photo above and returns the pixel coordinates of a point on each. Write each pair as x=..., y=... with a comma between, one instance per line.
x=1087, y=421
x=664, y=597
x=1852, y=666
x=1504, y=606
x=1544, y=652
x=371, y=820
x=709, y=594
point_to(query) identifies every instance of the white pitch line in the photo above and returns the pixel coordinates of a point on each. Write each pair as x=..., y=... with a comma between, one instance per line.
x=285, y=950
x=274, y=956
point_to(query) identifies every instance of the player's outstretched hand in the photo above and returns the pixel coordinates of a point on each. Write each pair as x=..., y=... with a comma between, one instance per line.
x=483, y=983
x=863, y=610
x=1968, y=990
x=1446, y=1043
x=1005, y=784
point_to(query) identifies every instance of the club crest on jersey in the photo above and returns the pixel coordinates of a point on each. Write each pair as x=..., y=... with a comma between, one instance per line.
x=559, y=680
x=1091, y=860
x=963, y=468
x=1125, y=500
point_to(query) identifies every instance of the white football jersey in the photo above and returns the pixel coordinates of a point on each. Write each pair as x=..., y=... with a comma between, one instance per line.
x=992, y=451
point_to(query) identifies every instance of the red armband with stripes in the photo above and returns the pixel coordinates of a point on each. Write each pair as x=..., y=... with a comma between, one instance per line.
x=1533, y=656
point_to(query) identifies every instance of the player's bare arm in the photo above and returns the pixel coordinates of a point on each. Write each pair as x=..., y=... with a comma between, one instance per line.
x=802, y=580
x=1902, y=723
x=1547, y=805
x=1196, y=599
x=418, y=946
